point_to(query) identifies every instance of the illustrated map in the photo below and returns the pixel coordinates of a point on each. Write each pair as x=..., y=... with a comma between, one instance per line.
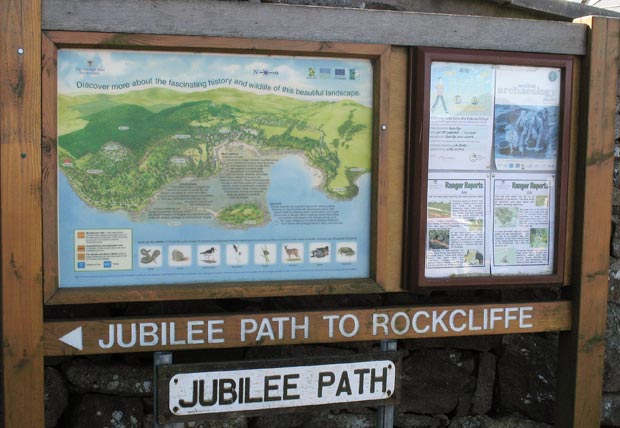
x=216, y=159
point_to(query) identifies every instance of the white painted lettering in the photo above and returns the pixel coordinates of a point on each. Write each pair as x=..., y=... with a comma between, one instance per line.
x=525, y=316
x=438, y=321
x=148, y=334
x=406, y=323
x=342, y=325
x=193, y=329
x=495, y=317
x=281, y=321
x=472, y=317
x=173, y=334
x=509, y=317
x=485, y=319
x=164, y=333
x=213, y=329
x=414, y=322
x=379, y=320
x=110, y=343
x=453, y=315
x=248, y=325
x=305, y=327
x=265, y=330
x=119, y=336
x=330, y=327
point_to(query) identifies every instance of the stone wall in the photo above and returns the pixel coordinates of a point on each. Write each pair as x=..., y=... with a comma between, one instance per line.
x=611, y=379
x=475, y=382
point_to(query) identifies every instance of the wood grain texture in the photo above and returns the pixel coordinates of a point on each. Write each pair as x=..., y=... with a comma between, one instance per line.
x=582, y=350
x=391, y=324
x=245, y=19
x=80, y=39
x=572, y=166
x=395, y=166
x=379, y=219
x=20, y=194
x=230, y=290
x=49, y=161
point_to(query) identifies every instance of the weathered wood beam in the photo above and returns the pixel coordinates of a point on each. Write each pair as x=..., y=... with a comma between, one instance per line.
x=580, y=377
x=20, y=218
x=239, y=19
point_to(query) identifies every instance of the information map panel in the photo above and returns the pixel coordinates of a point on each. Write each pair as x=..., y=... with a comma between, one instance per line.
x=206, y=167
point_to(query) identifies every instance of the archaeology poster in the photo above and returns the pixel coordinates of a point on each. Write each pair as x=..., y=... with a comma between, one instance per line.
x=188, y=168
x=527, y=118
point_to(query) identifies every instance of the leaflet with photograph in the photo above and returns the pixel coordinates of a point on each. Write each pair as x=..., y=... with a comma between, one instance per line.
x=523, y=224
x=527, y=118
x=461, y=117
x=457, y=208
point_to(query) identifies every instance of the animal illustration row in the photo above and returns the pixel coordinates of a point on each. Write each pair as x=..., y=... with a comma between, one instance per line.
x=238, y=254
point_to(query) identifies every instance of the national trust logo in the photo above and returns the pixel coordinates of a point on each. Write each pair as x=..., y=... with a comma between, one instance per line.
x=90, y=68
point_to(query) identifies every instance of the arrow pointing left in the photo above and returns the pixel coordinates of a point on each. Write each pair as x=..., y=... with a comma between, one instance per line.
x=73, y=338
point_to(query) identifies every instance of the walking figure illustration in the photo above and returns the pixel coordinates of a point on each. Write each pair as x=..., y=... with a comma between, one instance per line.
x=440, y=88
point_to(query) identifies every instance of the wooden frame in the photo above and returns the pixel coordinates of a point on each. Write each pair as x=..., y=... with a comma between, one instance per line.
x=384, y=261
x=418, y=167
x=581, y=349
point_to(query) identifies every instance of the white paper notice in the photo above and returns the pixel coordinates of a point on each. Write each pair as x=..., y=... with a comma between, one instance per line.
x=523, y=224
x=461, y=117
x=527, y=118
x=456, y=220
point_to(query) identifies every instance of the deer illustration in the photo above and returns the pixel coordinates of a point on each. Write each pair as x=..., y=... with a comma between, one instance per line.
x=292, y=252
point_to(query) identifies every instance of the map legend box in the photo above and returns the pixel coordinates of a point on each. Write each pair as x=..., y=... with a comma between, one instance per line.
x=103, y=249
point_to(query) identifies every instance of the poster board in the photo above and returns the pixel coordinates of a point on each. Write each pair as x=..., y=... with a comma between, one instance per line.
x=491, y=170
x=259, y=165
x=581, y=349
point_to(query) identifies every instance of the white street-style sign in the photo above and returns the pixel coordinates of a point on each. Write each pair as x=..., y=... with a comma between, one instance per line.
x=263, y=389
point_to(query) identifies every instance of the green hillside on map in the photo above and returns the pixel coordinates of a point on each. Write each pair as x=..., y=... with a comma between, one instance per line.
x=119, y=150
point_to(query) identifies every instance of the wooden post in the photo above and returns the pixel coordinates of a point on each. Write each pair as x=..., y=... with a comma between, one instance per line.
x=580, y=375
x=20, y=170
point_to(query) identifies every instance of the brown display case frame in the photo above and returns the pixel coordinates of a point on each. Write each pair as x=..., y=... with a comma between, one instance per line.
x=385, y=260
x=418, y=156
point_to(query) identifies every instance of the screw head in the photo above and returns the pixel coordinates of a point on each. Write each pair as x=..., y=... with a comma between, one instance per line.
x=383, y=127
x=20, y=51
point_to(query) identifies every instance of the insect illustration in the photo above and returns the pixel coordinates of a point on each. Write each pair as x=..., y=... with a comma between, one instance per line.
x=147, y=257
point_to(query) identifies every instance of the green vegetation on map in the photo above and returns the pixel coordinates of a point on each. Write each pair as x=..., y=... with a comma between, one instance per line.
x=242, y=214
x=119, y=150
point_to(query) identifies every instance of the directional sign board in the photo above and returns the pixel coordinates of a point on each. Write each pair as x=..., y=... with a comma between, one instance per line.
x=289, y=328
x=185, y=391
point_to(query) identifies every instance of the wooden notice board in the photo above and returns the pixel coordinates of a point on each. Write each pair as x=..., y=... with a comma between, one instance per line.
x=29, y=157
x=149, y=169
